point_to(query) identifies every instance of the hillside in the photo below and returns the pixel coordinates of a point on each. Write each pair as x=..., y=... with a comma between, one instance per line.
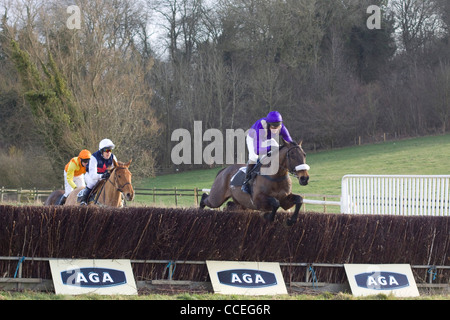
x=423, y=155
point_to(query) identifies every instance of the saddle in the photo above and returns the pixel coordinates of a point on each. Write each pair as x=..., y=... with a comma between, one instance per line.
x=93, y=196
x=239, y=177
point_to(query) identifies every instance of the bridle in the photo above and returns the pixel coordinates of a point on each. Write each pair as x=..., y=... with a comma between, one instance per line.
x=118, y=188
x=300, y=167
x=115, y=183
x=291, y=171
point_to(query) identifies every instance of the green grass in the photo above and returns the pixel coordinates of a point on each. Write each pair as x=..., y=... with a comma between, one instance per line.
x=423, y=155
x=32, y=295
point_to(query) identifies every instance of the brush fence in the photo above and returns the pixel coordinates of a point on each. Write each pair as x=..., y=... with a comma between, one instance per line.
x=170, y=234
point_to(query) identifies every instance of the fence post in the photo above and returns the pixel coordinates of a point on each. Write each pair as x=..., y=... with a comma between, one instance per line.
x=176, y=200
x=196, y=197
x=154, y=195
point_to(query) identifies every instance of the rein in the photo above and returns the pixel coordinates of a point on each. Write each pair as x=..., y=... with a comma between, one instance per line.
x=279, y=179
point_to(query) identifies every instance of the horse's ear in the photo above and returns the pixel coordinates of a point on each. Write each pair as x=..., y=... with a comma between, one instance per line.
x=300, y=142
x=128, y=163
x=115, y=163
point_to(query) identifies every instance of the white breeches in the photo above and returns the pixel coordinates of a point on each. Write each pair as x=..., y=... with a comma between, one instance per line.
x=90, y=183
x=78, y=180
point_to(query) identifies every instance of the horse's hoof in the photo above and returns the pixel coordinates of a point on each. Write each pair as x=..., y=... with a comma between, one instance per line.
x=290, y=222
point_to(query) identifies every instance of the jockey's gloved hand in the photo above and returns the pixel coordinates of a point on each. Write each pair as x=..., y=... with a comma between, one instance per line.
x=105, y=175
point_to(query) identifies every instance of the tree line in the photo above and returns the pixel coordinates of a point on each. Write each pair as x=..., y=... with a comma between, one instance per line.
x=225, y=63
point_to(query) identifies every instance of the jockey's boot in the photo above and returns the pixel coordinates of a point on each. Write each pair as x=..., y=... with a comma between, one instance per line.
x=84, y=197
x=62, y=200
x=248, y=177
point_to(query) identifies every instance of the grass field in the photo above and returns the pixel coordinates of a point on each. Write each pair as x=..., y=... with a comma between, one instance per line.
x=30, y=295
x=423, y=155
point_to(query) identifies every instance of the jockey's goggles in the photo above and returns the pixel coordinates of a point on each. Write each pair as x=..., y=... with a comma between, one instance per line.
x=106, y=150
x=274, y=124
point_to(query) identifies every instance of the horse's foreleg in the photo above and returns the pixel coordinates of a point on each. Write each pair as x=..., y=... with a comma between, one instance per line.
x=288, y=202
x=275, y=204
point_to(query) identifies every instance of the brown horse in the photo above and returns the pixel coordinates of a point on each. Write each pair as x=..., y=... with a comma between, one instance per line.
x=269, y=191
x=54, y=197
x=110, y=194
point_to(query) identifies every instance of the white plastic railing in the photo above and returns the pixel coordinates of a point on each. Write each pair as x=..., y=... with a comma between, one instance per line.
x=424, y=195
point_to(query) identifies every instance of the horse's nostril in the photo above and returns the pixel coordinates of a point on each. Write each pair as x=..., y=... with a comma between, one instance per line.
x=304, y=180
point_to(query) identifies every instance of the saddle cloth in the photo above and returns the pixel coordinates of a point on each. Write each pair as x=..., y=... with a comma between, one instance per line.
x=238, y=179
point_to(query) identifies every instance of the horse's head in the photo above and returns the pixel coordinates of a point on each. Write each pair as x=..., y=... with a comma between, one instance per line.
x=122, y=179
x=295, y=162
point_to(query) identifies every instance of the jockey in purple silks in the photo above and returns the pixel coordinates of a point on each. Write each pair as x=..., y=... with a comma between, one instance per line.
x=259, y=140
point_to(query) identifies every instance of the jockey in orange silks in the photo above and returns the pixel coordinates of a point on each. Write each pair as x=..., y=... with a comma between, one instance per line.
x=74, y=173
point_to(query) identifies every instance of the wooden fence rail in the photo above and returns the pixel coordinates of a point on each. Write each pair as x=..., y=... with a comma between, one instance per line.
x=33, y=195
x=24, y=195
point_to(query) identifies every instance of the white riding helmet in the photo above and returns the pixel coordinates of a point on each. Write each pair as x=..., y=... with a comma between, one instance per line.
x=106, y=143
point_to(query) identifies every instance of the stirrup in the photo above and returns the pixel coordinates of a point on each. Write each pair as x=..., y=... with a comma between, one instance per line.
x=85, y=197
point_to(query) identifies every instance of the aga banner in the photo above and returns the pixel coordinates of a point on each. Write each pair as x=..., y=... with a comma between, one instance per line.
x=246, y=278
x=372, y=279
x=93, y=276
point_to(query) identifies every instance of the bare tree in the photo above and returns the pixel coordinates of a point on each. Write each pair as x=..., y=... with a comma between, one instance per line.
x=105, y=71
x=442, y=94
x=418, y=22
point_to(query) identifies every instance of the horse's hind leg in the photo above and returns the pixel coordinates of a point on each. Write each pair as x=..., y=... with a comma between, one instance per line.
x=202, y=201
x=212, y=200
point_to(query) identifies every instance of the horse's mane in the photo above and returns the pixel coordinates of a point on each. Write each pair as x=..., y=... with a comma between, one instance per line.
x=119, y=164
x=285, y=143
